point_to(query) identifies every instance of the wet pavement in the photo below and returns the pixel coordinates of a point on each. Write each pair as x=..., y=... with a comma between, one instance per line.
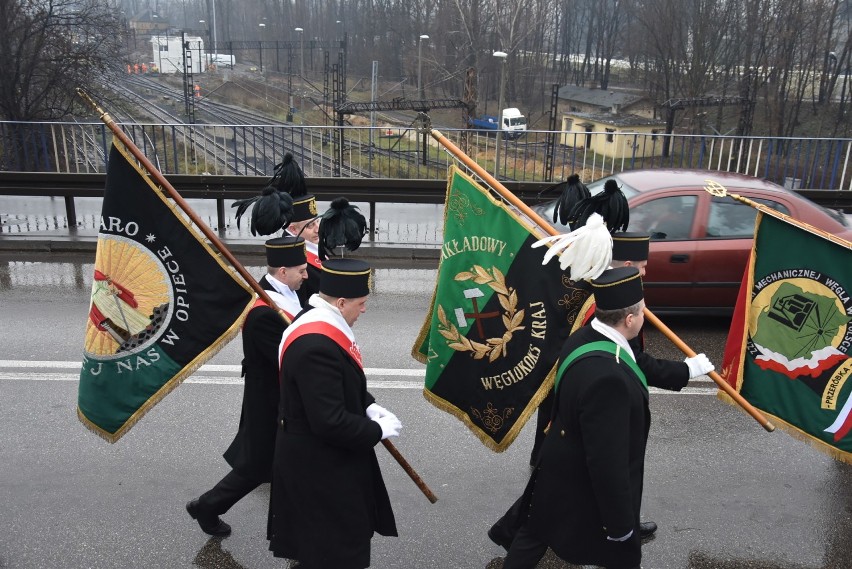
x=725, y=493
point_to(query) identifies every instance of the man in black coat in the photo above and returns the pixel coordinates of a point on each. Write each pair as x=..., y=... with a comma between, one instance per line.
x=250, y=453
x=328, y=495
x=628, y=250
x=631, y=250
x=584, y=495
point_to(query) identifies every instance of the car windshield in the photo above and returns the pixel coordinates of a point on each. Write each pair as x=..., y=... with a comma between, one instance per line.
x=596, y=187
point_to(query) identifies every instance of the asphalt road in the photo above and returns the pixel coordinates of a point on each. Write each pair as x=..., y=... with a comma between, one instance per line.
x=725, y=493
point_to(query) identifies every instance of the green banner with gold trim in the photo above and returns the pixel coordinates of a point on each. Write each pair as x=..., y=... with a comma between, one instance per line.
x=788, y=351
x=498, y=317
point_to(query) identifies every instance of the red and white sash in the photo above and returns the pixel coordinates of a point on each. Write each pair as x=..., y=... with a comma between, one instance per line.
x=327, y=323
x=259, y=302
x=312, y=254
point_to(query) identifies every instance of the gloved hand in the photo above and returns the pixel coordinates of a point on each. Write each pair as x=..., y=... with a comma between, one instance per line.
x=390, y=426
x=698, y=365
x=374, y=411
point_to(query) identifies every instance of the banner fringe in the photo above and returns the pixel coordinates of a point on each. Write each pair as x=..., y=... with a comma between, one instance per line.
x=512, y=434
x=169, y=386
x=795, y=432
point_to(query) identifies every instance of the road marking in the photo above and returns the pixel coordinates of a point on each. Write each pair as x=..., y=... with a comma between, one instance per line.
x=25, y=370
x=21, y=364
x=197, y=379
x=14, y=370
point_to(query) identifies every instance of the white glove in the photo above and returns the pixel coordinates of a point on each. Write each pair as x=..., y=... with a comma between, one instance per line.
x=390, y=426
x=374, y=411
x=698, y=365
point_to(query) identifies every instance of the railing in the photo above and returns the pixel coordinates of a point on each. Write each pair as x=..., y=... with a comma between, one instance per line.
x=406, y=153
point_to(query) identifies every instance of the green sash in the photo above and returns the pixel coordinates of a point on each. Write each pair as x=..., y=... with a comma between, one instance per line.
x=599, y=346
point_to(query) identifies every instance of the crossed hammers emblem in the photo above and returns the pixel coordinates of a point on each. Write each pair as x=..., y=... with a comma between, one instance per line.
x=462, y=316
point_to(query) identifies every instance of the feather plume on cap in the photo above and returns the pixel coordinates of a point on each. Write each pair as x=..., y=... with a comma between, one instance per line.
x=587, y=250
x=288, y=177
x=341, y=225
x=572, y=192
x=272, y=211
x=273, y=208
x=610, y=204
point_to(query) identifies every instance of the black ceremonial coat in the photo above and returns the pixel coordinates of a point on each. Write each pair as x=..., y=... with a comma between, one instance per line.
x=588, y=481
x=251, y=451
x=665, y=374
x=328, y=495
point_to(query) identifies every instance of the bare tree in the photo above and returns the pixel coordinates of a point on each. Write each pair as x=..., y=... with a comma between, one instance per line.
x=50, y=48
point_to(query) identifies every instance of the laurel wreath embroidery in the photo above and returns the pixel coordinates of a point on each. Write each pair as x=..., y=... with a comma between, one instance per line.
x=512, y=317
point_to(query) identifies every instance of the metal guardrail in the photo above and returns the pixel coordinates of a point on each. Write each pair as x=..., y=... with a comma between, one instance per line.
x=227, y=188
x=406, y=153
x=220, y=161
x=357, y=190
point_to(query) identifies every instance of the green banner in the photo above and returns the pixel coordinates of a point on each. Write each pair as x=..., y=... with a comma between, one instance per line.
x=498, y=317
x=162, y=303
x=787, y=353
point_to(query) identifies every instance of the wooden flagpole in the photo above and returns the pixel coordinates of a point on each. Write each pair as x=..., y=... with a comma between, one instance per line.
x=225, y=252
x=526, y=210
x=715, y=188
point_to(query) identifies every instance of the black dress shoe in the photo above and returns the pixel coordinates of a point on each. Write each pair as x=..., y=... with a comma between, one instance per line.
x=646, y=529
x=209, y=525
x=500, y=537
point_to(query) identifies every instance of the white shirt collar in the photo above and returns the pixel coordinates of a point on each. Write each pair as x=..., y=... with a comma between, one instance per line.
x=309, y=245
x=613, y=335
x=286, y=299
x=320, y=304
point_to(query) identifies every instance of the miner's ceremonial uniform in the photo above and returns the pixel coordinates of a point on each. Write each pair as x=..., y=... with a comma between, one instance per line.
x=584, y=495
x=328, y=494
x=250, y=453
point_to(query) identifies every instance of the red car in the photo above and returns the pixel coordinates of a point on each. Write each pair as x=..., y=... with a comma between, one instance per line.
x=700, y=243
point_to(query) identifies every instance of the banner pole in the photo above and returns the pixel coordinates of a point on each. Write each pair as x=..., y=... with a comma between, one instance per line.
x=220, y=246
x=178, y=199
x=718, y=190
x=526, y=210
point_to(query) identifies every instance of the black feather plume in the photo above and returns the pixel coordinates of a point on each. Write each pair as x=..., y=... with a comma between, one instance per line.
x=272, y=211
x=573, y=191
x=288, y=177
x=610, y=204
x=341, y=225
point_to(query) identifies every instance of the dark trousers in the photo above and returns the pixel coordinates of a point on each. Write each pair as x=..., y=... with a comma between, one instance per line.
x=526, y=551
x=230, y=490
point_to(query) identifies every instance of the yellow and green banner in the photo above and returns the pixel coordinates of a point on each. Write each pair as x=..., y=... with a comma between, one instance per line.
x=791, y=334
x=163, y=303
x=498, y=317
